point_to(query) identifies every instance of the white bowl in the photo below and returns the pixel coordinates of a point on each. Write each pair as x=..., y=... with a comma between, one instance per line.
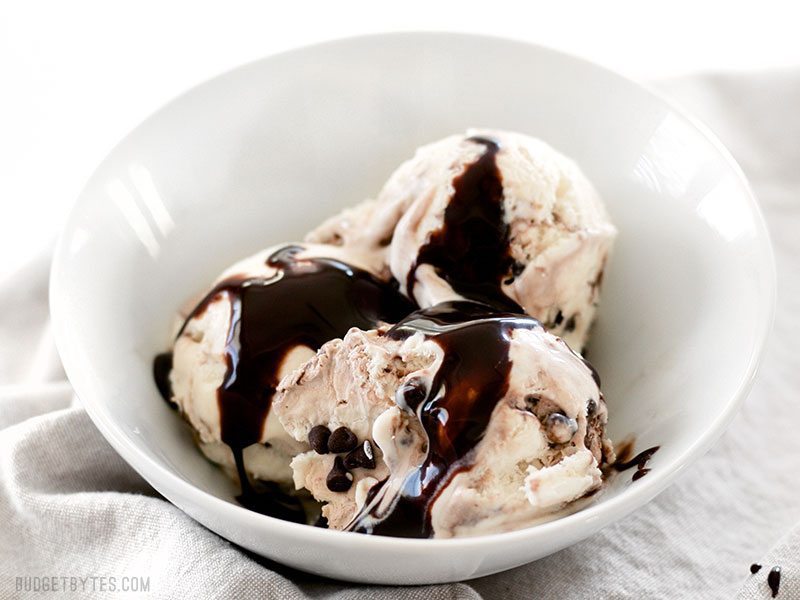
x=261, y=154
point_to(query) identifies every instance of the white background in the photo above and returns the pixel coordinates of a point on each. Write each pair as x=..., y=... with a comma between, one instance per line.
x=76, y=76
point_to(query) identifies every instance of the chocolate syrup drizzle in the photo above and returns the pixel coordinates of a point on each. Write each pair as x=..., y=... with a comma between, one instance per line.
x=454, y=412
x=307, y=303
x=774, y=581
x=624, y=462
x=471, y=249
x=162, y=366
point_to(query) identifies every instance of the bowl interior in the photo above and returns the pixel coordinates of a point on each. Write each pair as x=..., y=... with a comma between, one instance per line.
x=262, y=154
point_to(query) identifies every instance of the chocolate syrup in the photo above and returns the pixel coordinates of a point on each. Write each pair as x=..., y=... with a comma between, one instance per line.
x=266, y=497
x=454, y=412
x=639, y=461
x=307, y=303
x=774, y=580
x=471, y=249
x=162, y=365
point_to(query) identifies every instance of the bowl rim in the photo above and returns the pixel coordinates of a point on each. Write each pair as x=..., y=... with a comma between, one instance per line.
x=599, y=514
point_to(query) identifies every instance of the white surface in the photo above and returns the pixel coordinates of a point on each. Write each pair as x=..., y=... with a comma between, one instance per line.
x=77, y=76
x=178, y=200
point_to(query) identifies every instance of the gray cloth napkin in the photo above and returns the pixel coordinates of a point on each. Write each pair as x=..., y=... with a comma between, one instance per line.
x=77, y=521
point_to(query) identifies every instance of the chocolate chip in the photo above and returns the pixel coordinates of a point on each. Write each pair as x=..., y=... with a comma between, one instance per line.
x=591, y=407
x=339, y=479
x=342, y=440
x=560, y=428
x=318, y=438
x=559, y=319
x=413, y=392
x=541, y=406
x=531, y=401
x=363, y=457
x=517, y=268
x=570, y=324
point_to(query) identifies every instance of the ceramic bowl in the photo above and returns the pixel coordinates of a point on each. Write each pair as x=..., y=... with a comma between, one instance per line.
x=261, y=154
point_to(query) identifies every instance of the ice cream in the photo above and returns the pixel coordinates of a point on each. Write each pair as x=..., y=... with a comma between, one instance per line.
x=262, y=319
x=391, y=371
x=492, y=216
x=480, y=421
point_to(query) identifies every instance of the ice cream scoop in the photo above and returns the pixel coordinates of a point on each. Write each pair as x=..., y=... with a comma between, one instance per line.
x=263, y=318
x=481, y=421
x=492, y=216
